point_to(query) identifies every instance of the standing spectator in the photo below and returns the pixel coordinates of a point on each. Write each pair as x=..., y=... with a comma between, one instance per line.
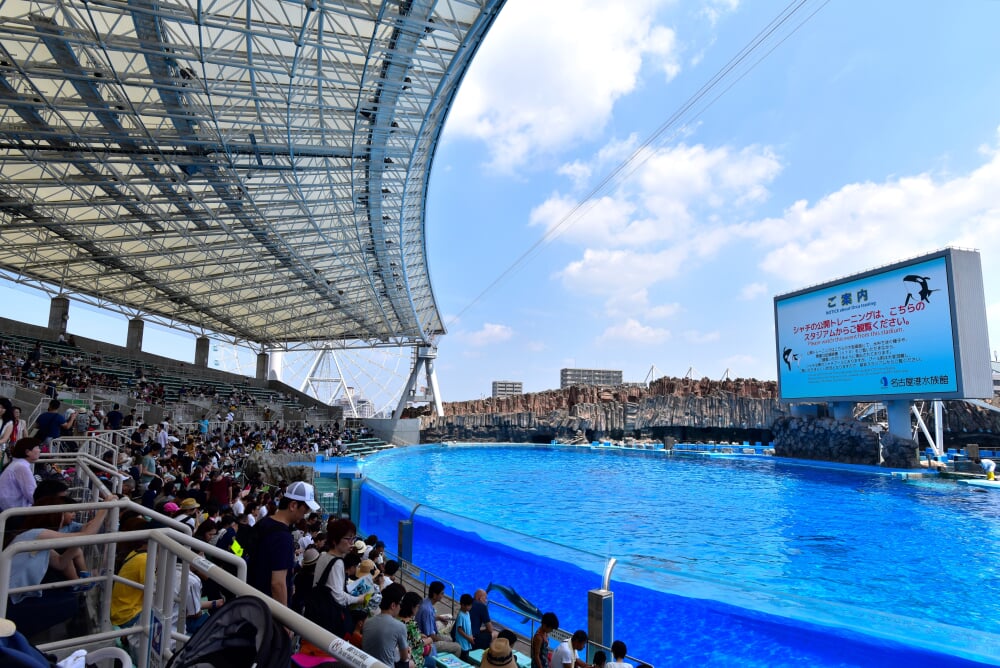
x=18, y=429
x=272, y=563
x=618, y=652
x=163, y=436
x=340, y=539
x=147, y=470
x=463, y=627
x=540, y=641
x=139, y=436
x=220, y=489
x=6, y=422
x=51, y=424
x=114, y=418
x=17, y=482
x=385, y=636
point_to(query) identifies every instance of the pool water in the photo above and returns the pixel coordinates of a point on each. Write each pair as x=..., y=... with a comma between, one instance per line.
x=863, y=552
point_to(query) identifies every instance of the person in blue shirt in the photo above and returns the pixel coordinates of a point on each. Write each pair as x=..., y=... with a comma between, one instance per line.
x=52, y=423
x=463, y=627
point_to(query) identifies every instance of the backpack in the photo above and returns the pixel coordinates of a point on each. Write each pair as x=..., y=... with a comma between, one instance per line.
x=17, y=652
x=241, y=634
x=322, y=608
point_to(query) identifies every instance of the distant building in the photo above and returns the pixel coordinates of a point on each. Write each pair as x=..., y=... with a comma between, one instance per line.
x=995, y=366
x=506, y=388
x=568, y=377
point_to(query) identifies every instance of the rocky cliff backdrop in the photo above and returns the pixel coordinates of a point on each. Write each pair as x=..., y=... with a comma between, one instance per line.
x=679, y=408
x=685, y=409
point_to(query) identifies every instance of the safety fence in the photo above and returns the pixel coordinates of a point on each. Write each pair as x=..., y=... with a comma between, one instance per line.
x=171, y=552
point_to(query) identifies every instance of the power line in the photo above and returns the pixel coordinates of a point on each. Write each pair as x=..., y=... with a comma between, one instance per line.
x=642, y=154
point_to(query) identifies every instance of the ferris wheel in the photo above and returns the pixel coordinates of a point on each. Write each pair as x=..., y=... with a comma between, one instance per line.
x=365, y=382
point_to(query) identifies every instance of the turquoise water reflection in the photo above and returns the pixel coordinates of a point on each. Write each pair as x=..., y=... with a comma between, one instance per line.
x=917, y=549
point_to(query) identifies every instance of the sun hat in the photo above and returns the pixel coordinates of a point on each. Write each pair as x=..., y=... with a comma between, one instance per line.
x=366, y=567
x=310, y=556
x=359, y=546
x=498, y=655
x=190, y=504
x=302, y=491
x=171, y=507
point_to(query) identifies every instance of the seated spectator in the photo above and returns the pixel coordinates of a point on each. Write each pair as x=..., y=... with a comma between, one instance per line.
x=126, y=600
x=390, y=573
x=34, y=611
x=364, y=586
x=499, y=654
x=565, y=656
x=479, y=617
x=407, y=611
x=427, y=619
x=207, y=531
x=356, y=635
x=189, y=512
x=385, y=636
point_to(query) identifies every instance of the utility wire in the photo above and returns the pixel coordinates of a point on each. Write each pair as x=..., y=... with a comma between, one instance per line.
x=641, y=154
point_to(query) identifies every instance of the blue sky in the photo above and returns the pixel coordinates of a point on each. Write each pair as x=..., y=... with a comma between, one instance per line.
x=869, y=135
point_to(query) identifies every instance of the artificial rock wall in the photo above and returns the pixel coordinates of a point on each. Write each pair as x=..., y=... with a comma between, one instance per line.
x=846, y=441
x=603, y=411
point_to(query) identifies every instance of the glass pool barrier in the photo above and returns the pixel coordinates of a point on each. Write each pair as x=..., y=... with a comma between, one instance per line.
x=693, y=621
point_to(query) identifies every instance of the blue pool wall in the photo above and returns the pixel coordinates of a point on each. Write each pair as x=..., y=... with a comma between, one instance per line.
x=659, y=627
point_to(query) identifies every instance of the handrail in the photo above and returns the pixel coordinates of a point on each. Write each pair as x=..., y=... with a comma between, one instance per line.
x=636, y=660
x=411, y=570
x=120, y=504
x=165, y=548
x=560, y=633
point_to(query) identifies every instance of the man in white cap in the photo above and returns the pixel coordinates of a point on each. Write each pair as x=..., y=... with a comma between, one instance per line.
x=272, y=559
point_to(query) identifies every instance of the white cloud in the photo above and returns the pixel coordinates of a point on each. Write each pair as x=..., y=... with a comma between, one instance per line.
x=741, y=366
x=694, y=336
x=714, y=9
x=632, y=331
x=864, y=225
x=619, y=272
x=488, y=334
x=635, y=304
x=673, y=189
x=651, y=226
x=536, y=346
x=593, y=52
x=577, y=171
x=753, y=290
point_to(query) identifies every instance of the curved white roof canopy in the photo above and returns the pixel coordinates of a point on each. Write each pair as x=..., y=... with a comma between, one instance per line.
x=255, y=169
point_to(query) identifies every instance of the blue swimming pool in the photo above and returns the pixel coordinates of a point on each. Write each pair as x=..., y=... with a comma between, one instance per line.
x=722, y=561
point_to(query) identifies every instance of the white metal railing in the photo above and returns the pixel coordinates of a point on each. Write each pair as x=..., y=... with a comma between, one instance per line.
x=166, y=548
x=95, y=443
x=162, y=593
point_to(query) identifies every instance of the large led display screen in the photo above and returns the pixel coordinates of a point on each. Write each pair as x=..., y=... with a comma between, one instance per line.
x=878, y=335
